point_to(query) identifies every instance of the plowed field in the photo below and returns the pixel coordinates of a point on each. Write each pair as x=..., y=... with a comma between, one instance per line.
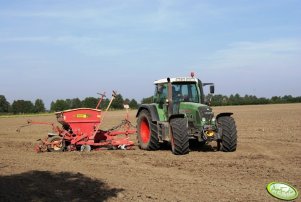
x=269, y=149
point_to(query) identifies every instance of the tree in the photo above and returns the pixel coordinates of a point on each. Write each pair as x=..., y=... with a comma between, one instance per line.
x=4, y=104
x=297, y=99
x=75, y=103
x=218, y=100
x=235, y=99
x=126, y=101
x=90, y=102
x=287, y=99
x=39, y=106
x=59, y=105
x=104, y=103
x=68, y=103
x=262, y=100
x=133, y=104
x=147, y=100
x=276, y=99
x=118, y=102
x=22, y=106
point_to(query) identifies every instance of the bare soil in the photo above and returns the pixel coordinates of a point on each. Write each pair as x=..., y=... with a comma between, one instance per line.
x=269, y=149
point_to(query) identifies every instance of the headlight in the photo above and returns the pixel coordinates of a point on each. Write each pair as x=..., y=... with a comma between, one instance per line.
x=203, y=120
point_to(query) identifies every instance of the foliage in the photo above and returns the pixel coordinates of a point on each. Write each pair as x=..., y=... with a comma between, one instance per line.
x=59, y=105
x=104, y=104
x=39, y=106
x=90, y=102
x=4, y=104
x=126, y=101
x=118, y=102
x=75, y=103
x=133, y=104
x=221, y=100
x=236, y=99
x=147, y=100
x=22, y=106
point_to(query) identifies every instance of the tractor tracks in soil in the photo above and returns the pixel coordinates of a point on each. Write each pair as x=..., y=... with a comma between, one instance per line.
x=266, y=152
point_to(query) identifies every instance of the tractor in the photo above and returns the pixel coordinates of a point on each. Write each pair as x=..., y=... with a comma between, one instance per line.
x=181, y=115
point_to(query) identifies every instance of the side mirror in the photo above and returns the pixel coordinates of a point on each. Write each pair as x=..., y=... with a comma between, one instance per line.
x=212, y=89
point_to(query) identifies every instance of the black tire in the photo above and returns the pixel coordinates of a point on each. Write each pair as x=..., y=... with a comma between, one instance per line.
x=228, y=142
x=57, y=147
x=179, y=137
x=147, y=134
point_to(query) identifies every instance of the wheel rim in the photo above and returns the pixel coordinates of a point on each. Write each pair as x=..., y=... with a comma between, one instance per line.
x=144, y=131
x=57, y=144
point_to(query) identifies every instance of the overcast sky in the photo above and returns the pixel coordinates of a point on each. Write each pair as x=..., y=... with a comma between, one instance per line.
x=59, y=49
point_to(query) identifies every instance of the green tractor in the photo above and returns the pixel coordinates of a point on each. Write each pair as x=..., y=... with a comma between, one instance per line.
x=180, y=114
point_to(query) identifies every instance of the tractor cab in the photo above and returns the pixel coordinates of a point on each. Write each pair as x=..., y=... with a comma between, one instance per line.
x=174, y=92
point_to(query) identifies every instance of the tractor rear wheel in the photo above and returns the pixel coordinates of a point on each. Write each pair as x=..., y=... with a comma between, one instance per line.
x=147, y=133
x=179, y=137
x=228, y=142
x=57, y=144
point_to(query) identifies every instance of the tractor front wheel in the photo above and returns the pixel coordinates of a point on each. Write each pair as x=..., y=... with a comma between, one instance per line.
x=147, y=134
x=179, y=137
x=56, y=144
x=228, y=142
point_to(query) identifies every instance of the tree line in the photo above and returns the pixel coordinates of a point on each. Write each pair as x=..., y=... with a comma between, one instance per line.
x=223, y=100
x=21, y=106
x=26, y=106
x=91, y=102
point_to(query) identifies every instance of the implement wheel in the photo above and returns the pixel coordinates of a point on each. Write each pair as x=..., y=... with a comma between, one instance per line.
x=228, y=142
x=57, y=144
x=179, y=137
x=147, y=134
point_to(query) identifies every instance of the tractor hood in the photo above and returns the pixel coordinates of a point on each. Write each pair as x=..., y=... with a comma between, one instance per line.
x=196, y=111
x=190, y=106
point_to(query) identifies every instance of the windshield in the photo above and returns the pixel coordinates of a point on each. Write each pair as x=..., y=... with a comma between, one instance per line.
x=185, y=92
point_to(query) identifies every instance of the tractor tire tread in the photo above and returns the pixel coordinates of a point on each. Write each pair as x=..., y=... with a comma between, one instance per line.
x=229, y=136
x=180, y=136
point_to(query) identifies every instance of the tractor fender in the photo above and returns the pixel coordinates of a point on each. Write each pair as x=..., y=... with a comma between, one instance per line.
x=152, y=110
x=224, y=114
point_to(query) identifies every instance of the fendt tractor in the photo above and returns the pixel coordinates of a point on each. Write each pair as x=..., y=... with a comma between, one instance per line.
x=180, y=115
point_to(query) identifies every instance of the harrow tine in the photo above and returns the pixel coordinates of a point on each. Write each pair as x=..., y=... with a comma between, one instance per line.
x=114, y=93
x=100, y=99
x=29, y=123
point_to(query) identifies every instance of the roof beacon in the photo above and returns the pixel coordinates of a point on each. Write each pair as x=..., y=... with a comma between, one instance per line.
x=192, y=74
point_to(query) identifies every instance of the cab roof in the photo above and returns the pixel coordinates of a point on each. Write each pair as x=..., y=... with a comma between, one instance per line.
x=177, y=79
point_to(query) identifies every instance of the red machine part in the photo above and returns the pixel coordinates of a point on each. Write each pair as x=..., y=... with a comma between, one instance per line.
x=80, y=127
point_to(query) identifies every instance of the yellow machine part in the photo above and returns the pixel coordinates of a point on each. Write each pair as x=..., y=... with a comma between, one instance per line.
x=209, y=133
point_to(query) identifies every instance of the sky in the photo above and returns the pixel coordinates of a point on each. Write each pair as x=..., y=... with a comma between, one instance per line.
x=60, y=49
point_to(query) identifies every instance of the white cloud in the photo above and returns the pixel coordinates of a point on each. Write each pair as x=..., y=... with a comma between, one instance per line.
x=262, y=68
x=265, y=54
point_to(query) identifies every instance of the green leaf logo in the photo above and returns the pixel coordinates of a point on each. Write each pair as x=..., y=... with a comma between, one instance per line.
x=282, y=191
